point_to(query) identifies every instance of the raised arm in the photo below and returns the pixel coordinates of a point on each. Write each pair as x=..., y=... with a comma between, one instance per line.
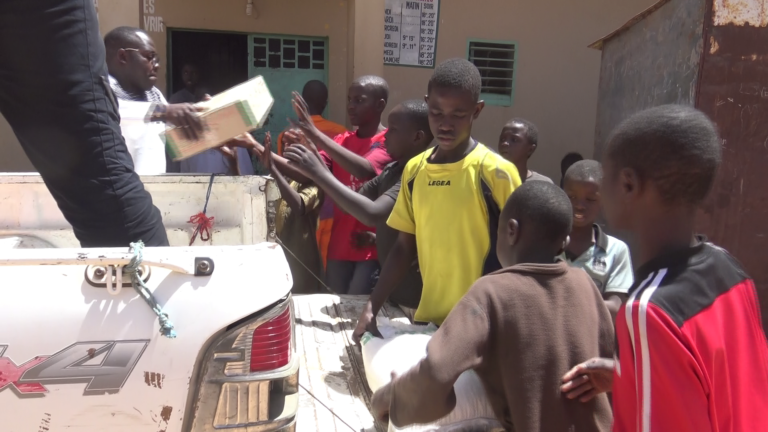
x=288, y=194
x=353, y=163
x=360, y=205
x=256, y=148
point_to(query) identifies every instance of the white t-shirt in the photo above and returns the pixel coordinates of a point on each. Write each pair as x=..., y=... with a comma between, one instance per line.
x=145, y=141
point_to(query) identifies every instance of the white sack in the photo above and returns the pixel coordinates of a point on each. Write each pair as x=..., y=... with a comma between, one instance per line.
x=401, y=348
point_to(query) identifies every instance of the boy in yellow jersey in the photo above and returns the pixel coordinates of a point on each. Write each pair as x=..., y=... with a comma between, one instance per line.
x=449, y=205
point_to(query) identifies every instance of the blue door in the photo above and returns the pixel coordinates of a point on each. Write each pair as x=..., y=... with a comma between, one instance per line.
x=286, y=63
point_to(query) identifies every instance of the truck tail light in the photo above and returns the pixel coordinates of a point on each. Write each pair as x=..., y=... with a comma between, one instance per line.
x=271, y=343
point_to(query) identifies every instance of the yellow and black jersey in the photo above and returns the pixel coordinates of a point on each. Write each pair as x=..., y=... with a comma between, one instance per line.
x=453, y=210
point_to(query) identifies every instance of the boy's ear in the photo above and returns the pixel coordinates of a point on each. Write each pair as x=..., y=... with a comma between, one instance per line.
x=532, y=149
x=629, y=182
x=419, y=136
x=513, y=232
x=478, y=109
x=566, y=242
x=381, y=104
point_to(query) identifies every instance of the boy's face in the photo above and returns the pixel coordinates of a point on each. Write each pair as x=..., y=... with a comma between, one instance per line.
x=451, y=113
x=585, y=199
x=363, y=106
x=401, y=134
x=514, y=145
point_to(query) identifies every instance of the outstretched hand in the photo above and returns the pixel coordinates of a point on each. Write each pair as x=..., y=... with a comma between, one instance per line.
x=266, y=155
x=589, y=379
x=305, y=160
x=366, y=323
x=363, y=239
x=304, y=122
x=246, y=141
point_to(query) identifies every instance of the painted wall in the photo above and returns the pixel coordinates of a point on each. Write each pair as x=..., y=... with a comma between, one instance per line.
x=556, y=74
x=320, y=18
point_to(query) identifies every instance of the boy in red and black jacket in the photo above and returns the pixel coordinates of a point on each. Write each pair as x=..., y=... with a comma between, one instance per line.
x=691, y=355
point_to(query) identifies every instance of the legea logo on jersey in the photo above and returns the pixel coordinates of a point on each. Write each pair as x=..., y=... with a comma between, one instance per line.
x=439, y=183
x=103, y=366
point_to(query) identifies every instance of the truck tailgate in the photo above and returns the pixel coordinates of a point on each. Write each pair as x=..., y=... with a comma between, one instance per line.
x=334, y=394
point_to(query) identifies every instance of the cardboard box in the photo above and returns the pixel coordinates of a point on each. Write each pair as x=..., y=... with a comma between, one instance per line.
x=228, y=114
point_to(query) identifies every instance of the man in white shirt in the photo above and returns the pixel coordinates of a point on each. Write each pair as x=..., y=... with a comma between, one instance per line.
x=133, y=64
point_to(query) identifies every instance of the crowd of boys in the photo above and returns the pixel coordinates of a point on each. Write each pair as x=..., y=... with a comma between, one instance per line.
x=526, y=288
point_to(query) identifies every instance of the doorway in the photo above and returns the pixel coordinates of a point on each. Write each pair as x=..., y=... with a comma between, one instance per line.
x=227, y=59
x=219, y=57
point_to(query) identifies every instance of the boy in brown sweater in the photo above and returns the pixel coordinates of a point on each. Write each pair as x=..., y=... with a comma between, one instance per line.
x=519, y=328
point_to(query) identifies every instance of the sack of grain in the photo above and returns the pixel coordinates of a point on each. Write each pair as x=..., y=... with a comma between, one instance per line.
x=401, y=348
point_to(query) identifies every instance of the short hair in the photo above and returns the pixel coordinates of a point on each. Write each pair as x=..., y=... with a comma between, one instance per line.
x=585, y=170
x=417, y=113
x=120, y=37
x=531, y=131
x=315, y=93
x=458, y=74
x=377, y=83
x=568, y=160
x=542, y=207
x=675, y=147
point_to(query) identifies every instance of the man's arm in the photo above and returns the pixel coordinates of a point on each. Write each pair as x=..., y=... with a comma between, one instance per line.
x=354, y=164
x=425, y=393
x=360, y=205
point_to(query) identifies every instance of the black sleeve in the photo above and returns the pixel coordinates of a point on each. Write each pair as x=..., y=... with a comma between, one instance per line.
x=370, y=189
x=394, y=190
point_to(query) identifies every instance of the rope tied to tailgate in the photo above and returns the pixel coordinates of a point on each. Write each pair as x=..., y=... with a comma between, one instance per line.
x=132, y=269
x=203, y=224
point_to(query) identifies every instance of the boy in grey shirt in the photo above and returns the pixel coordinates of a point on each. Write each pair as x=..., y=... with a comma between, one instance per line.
x=605, y=259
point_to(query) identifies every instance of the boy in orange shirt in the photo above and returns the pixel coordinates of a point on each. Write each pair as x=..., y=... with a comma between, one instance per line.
x=315, y=93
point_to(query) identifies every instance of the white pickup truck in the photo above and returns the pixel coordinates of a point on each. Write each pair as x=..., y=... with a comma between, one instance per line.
x=82, y=350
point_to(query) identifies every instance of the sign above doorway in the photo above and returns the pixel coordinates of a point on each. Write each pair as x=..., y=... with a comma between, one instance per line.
x=410, y=32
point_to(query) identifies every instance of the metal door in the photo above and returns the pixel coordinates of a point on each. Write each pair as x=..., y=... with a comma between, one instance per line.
x=286, y=63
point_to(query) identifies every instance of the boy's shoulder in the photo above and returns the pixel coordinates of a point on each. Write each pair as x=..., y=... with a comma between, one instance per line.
x=494, y=166
x=522, y=278
x=687, y=283
x=613, y=245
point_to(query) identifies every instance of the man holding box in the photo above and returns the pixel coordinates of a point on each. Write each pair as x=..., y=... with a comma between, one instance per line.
x=133, y=65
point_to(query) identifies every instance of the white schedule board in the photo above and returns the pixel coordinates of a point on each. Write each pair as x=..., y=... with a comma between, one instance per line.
x=410, y=32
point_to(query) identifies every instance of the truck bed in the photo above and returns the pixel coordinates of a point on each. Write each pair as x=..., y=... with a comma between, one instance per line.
x=334, y=394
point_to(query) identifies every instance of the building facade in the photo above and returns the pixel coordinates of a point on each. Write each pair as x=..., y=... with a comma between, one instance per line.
x=533, y=55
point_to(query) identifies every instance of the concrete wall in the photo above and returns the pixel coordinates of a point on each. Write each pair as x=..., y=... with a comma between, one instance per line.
x=654, y=62
x=557, y=75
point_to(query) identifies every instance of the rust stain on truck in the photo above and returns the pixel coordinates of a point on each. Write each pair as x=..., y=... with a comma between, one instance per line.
x=154, y=379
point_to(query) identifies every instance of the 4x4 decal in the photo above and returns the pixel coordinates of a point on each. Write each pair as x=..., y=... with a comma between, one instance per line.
x=74, y=364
